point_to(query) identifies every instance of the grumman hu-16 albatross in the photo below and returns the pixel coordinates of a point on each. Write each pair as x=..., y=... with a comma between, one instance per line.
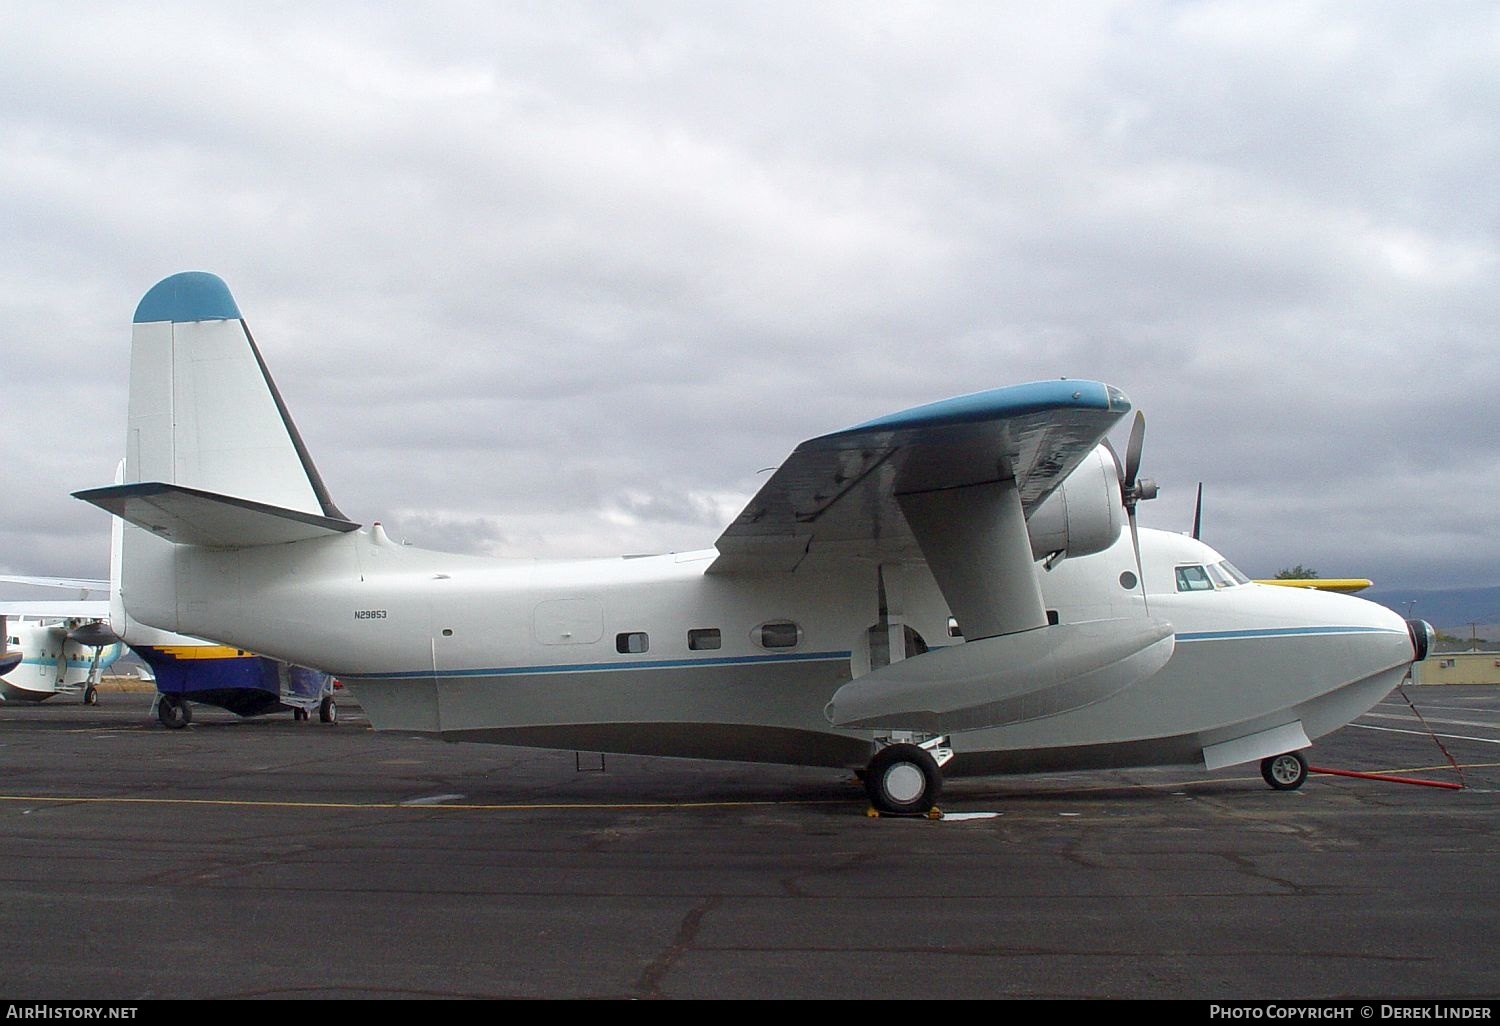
x=951, y=588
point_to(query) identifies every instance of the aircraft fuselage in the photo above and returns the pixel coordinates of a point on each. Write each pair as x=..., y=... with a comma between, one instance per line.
x=652, y=655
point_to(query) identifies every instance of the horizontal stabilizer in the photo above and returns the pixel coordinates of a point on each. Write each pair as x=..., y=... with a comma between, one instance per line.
x=1007, y=679
x=189, y=516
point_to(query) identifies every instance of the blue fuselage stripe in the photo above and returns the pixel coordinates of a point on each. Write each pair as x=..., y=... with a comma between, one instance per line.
x=675, y=664
x=635, y=664
x=1279, y=632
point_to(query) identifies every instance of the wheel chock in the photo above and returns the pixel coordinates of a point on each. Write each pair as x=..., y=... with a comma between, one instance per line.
x=871, y=812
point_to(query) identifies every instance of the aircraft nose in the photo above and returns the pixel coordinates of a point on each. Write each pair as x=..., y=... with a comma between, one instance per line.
x=1423, y=638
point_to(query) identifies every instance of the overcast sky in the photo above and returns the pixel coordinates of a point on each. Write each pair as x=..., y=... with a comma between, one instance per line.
x=562, y=278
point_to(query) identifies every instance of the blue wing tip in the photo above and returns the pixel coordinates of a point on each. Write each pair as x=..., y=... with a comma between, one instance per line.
x=188, y=296
x=1011, y=400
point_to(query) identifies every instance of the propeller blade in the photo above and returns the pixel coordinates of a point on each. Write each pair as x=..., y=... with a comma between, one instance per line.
x=1198, y=514
x=1135, y=543
x=1133, y=449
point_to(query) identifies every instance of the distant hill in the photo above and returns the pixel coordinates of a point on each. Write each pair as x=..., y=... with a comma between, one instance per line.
x=1451, y=610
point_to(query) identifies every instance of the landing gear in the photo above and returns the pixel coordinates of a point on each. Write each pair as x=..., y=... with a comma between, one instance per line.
x=903, y=780
x=173, y=712
x=328, y=712
x=91, y=683
x=1285, y=772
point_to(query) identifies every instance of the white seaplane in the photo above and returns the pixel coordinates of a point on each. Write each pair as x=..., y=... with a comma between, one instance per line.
x=958, y=588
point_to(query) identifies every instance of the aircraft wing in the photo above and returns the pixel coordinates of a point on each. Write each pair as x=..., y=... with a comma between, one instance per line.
x=61, y=609
x=836, y=494
x=61, y=583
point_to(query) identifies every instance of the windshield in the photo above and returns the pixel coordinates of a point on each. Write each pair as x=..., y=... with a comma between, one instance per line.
x=1208, y=578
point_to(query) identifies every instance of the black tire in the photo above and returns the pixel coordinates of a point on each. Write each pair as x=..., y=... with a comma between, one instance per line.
x=299, y=713
x=328, y=712
x=90, y=696
x=1285, y=772
x=903, y=780
x=173, y=712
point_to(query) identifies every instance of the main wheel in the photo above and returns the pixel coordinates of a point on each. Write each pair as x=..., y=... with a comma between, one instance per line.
x=173, y=712
x=328, y=712
x=903, y=779
x=1285, y=772
x=91, y=696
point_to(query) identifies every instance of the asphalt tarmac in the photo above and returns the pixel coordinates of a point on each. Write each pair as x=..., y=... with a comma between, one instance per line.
x=270, y=858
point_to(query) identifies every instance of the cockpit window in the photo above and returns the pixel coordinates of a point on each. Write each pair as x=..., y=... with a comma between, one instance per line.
x=1218, y=576
x=1234, y=572
x=1193, y=578
x=1210, y=577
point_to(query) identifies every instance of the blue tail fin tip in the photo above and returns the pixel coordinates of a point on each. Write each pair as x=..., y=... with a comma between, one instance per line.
x=188, y=296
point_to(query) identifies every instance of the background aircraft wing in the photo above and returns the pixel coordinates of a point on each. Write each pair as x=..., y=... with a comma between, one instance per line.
x=835, y=495
x=61, y=609
x=80, y=584
x=1343, y=584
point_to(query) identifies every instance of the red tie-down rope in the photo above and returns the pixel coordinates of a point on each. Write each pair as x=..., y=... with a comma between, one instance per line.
x=1408, y=780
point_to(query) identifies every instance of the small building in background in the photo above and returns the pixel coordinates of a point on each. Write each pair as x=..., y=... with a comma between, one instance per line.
x=1458, y=668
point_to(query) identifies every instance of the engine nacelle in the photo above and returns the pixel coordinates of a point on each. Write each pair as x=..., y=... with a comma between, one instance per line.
x=1085, y=514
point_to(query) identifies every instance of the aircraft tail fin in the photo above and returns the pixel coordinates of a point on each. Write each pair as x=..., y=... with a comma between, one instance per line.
x=212, y=457
x=204, y=412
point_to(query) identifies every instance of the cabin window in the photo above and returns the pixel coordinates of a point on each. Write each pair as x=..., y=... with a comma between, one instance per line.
x=1128, y=581
x=778, y=634
x=702, y=639
x=1193, y=578
x=632, y=642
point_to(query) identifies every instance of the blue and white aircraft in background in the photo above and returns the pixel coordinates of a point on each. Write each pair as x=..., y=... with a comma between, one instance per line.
x=951, y=589
x=56, y=647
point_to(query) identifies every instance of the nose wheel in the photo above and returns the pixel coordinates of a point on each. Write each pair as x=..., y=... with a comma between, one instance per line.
x=1284, y=772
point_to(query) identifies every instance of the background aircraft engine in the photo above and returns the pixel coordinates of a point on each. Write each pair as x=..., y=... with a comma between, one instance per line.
x=1084, y=515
